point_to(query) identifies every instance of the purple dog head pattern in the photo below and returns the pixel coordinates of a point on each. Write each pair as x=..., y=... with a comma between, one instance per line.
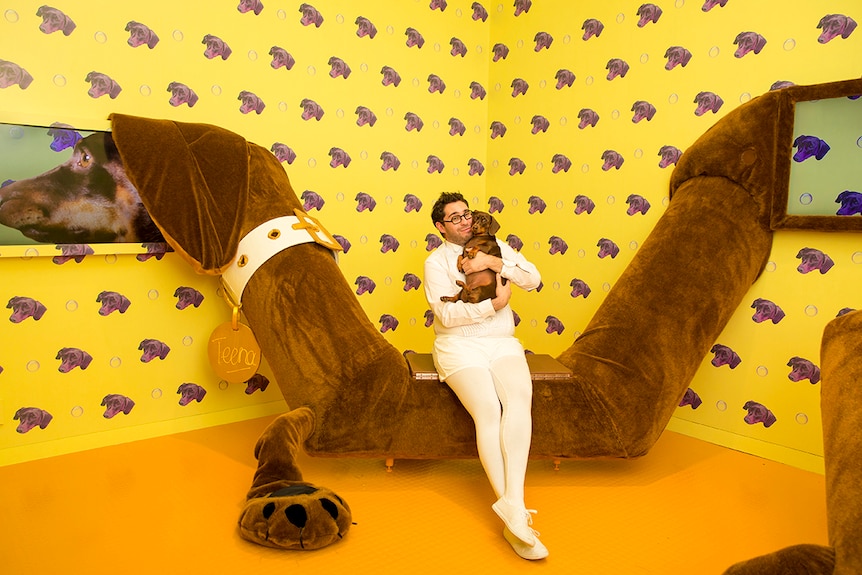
x=153, y=349
x=188, y=297
x=72, y=357
x=766, y=311
x=257, y=382
x=834, y=26
x=351, y=94
x=809, y=147
x=191, y=392
x=65, y=136
x=141, y=35
x=115, y=403
x=112, y=301
x=584, y=205
x=54, y=20
x=73, y=252
x=24, y=307
x=851, y=203
x=758, y=413
x=813, y=259
x=554, y=325
x=31, y=418
x=155, y=250
x=723, y=355
x=801, y=368
x=580, y=288
x=691, y=399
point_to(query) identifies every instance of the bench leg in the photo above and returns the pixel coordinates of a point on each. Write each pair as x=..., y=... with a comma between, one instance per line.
x=389, y=463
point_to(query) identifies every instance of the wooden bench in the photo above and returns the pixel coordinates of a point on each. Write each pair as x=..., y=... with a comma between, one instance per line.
x=543, y=367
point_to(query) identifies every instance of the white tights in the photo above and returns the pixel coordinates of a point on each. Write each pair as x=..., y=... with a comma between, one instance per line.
x=499, y=401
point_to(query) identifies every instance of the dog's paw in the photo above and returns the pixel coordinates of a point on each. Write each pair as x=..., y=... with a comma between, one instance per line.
x=298, y=516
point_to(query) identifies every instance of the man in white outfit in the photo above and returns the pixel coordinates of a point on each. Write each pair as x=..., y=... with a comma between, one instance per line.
x=477, y=355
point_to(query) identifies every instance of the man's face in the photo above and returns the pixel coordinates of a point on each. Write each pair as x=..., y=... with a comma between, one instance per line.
x=456, y=233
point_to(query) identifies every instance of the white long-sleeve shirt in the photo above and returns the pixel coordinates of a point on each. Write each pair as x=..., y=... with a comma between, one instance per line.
x=472, y=319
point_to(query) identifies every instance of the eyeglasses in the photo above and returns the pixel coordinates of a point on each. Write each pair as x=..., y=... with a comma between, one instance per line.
x=456, y=219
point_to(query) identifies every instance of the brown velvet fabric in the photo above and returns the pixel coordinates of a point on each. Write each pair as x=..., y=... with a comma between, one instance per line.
x=205, y=187
x=196, y=179
x=277, y=449
x=796, y=560
x=282, y=510
x=841, y=411
x=781, y=220
x=638, y=354
x=752, y=146
x=632, y=364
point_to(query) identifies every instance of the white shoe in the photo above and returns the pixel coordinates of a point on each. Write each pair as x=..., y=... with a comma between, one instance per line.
x=517, y=520
x=534, y=553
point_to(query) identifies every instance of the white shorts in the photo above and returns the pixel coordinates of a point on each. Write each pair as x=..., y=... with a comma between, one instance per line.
x=453, y=353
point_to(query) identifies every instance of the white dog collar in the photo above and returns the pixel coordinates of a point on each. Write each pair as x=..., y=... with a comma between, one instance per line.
x=268, y=239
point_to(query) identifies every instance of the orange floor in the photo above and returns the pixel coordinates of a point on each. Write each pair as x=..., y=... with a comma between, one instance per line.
x=169, y=505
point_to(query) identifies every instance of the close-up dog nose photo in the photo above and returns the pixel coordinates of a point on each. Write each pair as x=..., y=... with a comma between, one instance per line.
x=431, y=285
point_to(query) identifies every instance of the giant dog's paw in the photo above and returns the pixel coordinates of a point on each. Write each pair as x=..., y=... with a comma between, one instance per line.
x=299, y=516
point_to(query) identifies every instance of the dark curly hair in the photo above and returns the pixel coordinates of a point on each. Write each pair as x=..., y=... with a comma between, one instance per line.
x=437, y=212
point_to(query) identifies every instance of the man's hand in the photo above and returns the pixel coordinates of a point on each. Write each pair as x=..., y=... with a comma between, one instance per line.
x=481, y=262
x=504, y=292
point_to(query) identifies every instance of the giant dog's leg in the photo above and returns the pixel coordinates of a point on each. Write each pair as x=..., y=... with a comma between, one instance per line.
x=329, y=356
x=641, y=349
x=206, y=188
x=646, y=341
x=282, y=510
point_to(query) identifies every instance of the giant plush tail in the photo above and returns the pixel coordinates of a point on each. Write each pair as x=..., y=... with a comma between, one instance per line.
x=795, y=560
x=841, y=411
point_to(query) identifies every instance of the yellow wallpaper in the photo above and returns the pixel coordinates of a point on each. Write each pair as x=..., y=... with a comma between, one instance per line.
x=536, y=68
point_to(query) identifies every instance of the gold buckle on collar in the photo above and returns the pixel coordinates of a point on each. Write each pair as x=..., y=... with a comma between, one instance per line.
x=314, y=227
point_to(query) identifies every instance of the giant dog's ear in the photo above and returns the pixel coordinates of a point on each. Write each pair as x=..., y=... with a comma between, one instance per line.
x=193, y=181
x=494, y=226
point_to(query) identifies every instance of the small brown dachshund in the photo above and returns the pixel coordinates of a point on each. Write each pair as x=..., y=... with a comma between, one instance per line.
x=479, y=285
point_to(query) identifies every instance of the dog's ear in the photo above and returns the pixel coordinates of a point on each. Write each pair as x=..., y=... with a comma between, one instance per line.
x=494, y=226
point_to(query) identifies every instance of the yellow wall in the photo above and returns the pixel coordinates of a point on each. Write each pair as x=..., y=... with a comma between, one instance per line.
x=60, y=63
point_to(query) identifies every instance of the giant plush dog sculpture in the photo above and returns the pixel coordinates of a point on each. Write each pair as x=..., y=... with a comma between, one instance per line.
x=206, y=188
